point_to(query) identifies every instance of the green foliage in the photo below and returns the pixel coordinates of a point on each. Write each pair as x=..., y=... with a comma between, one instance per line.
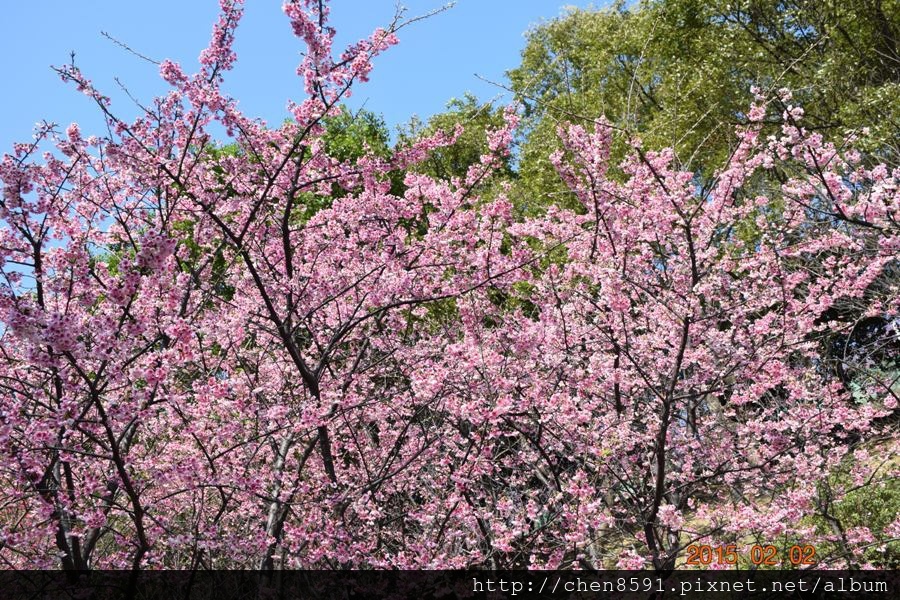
x=873, y=505
x=195, y=255
x=454, y=160
x=432, y=317
x=349, y=135
x=678, y=73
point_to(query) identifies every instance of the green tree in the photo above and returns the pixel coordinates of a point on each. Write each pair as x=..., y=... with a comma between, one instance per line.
x=350, y=135
x=476, y=119
x=679, y=73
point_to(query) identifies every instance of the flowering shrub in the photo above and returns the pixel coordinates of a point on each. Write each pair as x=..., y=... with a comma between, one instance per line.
x=196, y=372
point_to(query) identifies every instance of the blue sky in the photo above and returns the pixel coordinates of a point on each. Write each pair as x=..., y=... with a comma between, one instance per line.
x=437, y=58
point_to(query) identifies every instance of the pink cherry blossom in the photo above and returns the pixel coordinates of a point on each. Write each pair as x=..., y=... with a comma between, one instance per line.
x=211, y=360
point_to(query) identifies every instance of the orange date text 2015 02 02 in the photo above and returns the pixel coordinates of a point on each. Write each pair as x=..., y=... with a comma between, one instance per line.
x=768, y=555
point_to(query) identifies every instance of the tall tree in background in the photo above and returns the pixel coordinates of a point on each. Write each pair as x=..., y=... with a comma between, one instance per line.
x=679, y=73
x=474, y=120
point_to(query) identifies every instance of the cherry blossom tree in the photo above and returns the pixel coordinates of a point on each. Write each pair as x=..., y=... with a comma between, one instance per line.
x=210, y=360
x=673, y=391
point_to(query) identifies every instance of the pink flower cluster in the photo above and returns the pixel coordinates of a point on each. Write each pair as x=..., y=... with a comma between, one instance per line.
x=208, y=358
